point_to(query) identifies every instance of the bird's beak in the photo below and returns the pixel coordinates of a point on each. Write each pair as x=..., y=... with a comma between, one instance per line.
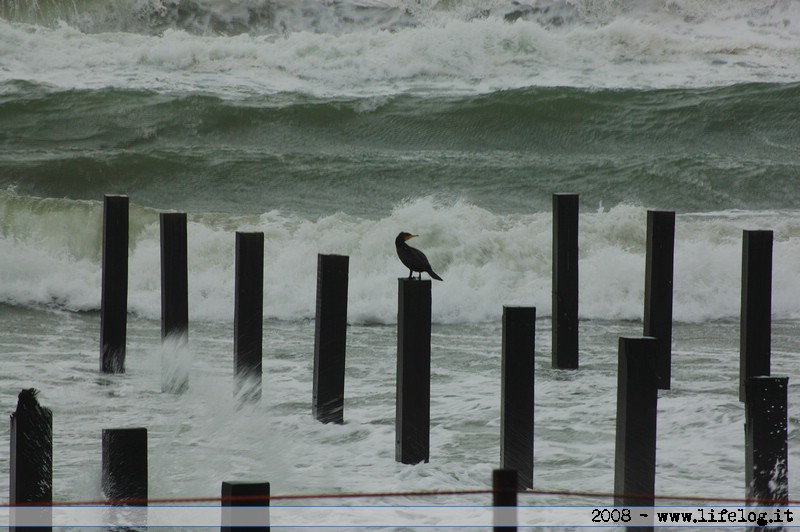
x=408, y=237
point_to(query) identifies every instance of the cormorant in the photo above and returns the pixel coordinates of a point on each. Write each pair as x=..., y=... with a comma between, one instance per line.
x=414, y=259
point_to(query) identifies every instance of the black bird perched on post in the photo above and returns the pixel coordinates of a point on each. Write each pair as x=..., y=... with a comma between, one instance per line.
x=414, y=259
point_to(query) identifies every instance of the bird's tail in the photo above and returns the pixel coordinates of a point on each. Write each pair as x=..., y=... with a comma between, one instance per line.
x=434, y=276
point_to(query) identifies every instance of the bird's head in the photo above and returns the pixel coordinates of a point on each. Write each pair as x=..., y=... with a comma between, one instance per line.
x=402, y=237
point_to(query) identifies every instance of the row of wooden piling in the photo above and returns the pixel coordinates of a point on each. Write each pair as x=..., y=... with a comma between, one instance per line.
x=644, y=363
x=248, y=295
x=332, y=288
x=413, y=329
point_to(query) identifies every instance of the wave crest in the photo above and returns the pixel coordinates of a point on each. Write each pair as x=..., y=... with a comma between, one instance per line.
x=51, y=258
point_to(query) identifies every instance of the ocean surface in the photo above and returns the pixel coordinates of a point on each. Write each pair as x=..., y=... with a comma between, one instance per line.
x=331, y=126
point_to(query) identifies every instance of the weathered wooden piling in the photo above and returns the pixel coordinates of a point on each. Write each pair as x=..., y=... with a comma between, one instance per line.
x=413, y=410
x=658, y=289
x=114, y=293
x=517, y=392
x=755, y=340
x=766, y=441
x=330, y=338
x=565, y=281
x=124, y=479
x=174, y=302
x=252, y=501
x=504, y=499
x=248, y=325
x=174, y=275
x=637, y=394
x=31, y=462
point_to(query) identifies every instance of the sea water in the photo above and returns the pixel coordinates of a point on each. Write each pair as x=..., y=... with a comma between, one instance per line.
x=331, y=127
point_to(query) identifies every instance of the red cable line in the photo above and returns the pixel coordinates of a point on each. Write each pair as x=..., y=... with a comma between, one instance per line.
x=372, y=495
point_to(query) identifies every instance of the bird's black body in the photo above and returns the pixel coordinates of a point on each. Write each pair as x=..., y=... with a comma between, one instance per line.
x=414, y=259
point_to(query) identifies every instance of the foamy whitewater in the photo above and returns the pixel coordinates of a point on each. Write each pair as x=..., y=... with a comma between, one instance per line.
x=330, y=126
x=382, y=47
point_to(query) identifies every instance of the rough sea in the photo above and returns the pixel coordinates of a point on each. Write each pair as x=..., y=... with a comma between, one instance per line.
x=331, y=126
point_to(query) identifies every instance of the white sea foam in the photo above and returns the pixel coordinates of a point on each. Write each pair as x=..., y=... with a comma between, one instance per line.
x=462, y=47
x=201, y=437
x=487, y=260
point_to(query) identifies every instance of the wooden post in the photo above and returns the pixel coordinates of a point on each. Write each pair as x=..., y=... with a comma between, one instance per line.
x=31, y=462
x=248, y=326
x=565, y=281
x=114, y=294
x=755, y=341
x=637, y=394
x=252, y=499
x=516, y=392
x=504, y=499
x=174, y=275
x=330, y=338
x=124, y=479
x=658, y=289
x=174, y=301
x=413, y=409
x=766, y=441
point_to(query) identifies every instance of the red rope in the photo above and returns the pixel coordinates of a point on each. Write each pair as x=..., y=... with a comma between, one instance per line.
x=375, y=495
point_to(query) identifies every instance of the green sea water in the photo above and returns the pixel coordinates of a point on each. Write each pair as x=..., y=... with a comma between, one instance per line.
x=687, y=150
